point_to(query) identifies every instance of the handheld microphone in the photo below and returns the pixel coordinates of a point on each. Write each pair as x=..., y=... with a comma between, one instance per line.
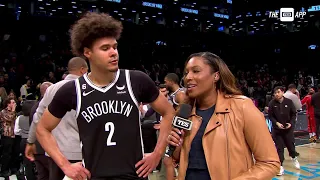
x=181, y=121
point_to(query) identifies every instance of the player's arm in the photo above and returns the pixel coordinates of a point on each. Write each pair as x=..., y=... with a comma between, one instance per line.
x=61, y=103
x=166, y=110
x=147, y=92
x=180, y=97
x=46, y=125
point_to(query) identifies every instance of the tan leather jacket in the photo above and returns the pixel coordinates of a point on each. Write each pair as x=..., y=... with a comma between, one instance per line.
x=236, y=130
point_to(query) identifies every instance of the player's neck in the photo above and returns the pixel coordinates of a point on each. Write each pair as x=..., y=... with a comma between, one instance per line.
x=175, y=87
x=100, y=78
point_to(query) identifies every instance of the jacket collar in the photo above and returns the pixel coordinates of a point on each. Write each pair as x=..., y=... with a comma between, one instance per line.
x=222, y=105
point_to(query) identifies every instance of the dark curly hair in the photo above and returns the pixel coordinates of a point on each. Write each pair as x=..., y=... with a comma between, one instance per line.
x=90, y=27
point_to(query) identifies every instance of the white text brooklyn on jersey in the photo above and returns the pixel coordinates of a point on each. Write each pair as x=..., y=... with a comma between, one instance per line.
x=106, y=107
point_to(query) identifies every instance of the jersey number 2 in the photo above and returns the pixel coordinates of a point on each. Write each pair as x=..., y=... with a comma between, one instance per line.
x=109, y=127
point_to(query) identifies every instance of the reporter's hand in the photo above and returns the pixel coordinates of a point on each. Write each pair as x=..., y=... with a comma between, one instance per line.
x=76, y=171
x=156, y=126
x=174, y=138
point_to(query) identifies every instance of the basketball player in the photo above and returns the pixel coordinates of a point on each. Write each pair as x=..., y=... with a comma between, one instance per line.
x=177, y=94
x=176, y=97
x=107, y=104
x=310, y=114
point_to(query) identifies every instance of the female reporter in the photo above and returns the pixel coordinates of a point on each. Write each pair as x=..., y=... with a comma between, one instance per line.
x=228, y=131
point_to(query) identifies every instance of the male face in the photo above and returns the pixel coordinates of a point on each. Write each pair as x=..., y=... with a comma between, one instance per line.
x=168, y=84
x=278, y=94
x=293, y=90
x=164, y=91
x=311, y=90
x=104, y=54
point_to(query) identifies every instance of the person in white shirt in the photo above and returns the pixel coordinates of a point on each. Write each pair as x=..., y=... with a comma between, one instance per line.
x=293, y=94
x=21, y=128
x=24, y=90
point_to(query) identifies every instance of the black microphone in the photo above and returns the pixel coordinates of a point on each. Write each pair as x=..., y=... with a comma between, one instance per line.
x=181, y=121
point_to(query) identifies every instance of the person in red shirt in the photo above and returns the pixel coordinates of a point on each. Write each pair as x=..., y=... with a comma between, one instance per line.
x=310, y=113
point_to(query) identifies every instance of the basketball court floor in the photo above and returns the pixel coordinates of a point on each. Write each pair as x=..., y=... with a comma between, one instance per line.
x=309, y=161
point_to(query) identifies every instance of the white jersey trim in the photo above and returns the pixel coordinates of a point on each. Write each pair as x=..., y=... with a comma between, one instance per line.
x=104, y=89
x=78, y=91
x=128, y=80
x=83, y=163
x=174, y=96
x=174, y=101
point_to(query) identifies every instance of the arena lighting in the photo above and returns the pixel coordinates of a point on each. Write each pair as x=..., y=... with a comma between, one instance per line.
x=314, y=8
x=153, y=5
x=312, y=47
x=116, y=1
x=223, y=16
x=187, y=10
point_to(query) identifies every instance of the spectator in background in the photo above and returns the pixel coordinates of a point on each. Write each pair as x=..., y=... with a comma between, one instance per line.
x=315, y=102
x=3, y=96
x=310, y=114
x=40, y=159
x=282, y=113
x=52, y=78
x=293, y=94
x=12, y=95
x=24, y=90
x=7, y=118
x=22, y=129
x=67, y=127
x=65, y=75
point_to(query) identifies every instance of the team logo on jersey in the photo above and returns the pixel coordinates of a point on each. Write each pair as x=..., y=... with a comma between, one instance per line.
x=87, y=93
x=121, y=89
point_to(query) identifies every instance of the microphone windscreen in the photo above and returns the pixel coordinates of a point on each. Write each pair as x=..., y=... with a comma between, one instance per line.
x=184, y=111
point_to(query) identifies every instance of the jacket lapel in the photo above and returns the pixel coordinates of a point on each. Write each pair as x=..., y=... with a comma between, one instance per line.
x=222, y=107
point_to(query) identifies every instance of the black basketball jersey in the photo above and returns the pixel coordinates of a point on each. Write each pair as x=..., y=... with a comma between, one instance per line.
x=172, y=97
x=109, y=127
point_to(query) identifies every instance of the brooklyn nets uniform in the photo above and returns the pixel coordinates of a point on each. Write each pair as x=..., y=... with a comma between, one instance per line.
x=172, y=97
x=109, y=123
